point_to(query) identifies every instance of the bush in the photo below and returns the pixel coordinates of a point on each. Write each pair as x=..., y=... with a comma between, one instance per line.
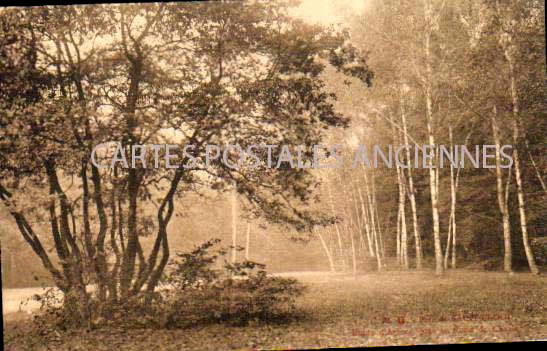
x=58, y=312
x=236, y=294
x=192, y=293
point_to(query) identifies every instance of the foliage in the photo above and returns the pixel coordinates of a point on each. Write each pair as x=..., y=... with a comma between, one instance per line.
x=468, y=77
x=216, y=73
x=193, y=293
x=237, y=294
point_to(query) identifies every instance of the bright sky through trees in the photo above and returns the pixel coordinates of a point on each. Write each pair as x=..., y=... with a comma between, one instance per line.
x=328, y=12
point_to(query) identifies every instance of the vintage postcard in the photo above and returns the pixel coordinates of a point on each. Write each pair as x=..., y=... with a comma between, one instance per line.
x=286, y=174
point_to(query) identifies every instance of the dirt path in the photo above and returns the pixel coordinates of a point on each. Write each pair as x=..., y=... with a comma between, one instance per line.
x=20, y=300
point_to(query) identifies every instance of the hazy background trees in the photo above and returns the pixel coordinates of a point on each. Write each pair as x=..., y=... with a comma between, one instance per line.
x=444, y=73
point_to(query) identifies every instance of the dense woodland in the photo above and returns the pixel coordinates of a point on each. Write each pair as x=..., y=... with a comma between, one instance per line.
x=403, y=72
x=447, y=73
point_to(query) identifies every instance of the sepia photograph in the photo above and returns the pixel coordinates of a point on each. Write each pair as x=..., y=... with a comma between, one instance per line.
x=273, y=174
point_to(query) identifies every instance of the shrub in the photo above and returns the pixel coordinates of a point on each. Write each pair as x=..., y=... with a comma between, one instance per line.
x=58, y=312
x=192, y=293
x=236, y=294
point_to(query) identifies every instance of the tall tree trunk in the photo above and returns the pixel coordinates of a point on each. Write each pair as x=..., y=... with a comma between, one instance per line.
x=454, y=236
x=452, y=225
x=401, y=213
x=248, y=241
x=404, y=241
x=359, y=220
x=336, y=227
x=412, y=193
x=506, y=42
x=380, y=233
x=353, y=254
x=234, y=224
x=398, y=237
x=502, y=202
x=326, y=249
x=366, y=222
x=373, y=222
x=522, y=212
x=448, y=242
x=516, y=160
x=433, y=177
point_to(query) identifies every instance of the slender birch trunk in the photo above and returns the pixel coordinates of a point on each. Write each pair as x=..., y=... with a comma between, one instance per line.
x=518, y=177
x=522, y=211
x=398, y=236
x=404, y=242
x=402, y=246
x=338, y=234
x=349, y=226
x=353, y=255
x=506, y=41
x=359, y=219
x=448, y=242
x=380, y=232
x=234, y=224
x=452, y=219
x=375, y=213
x=326, y=249
x=373, y=223
x=502, y=202
x=366, y=222
x=248, y=241
x=454, y=236
x=412, y=193
x=433, y=171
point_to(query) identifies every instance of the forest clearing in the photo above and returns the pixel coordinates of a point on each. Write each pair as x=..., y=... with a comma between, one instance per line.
x=273, y=174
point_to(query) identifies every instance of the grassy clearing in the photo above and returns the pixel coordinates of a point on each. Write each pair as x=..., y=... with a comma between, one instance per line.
x=368, y=310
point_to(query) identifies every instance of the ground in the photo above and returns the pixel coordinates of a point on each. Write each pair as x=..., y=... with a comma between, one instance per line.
x=390, y=308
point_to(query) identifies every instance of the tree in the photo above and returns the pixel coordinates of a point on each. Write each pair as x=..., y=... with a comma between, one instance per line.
x=217, y=73
x=437, y=68
x=507, y=22
x=502, y=197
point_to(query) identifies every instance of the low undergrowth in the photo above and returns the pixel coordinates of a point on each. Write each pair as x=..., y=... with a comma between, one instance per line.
x=193, y=293
x=387, y=308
